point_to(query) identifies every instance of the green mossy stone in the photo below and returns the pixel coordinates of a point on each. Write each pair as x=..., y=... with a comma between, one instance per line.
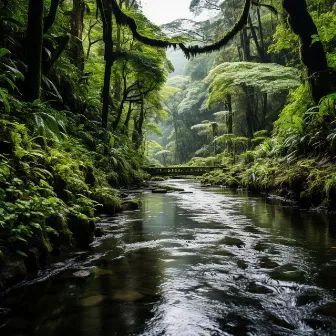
x=131, y=204
x=82, y=229
x=261, y=246
x=288, y=273
x=232, y=241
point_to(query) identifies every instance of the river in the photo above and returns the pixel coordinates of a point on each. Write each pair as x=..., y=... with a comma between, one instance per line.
x=204, y=262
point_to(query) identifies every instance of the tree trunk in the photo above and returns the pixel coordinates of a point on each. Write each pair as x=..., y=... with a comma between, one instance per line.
x=34, y=50
x=264, y=110
x=128, y=118
x=50, y=18
x=77, y=26
x=140, y=124
x=108, y=40
x=230, y=117
x=312, y=53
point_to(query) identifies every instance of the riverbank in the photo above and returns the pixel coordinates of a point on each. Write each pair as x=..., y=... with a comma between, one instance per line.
x=311, y=183
x=52, y=191
x=214, y=260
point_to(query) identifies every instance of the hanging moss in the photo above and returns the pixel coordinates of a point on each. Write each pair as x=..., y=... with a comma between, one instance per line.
x=125, y=20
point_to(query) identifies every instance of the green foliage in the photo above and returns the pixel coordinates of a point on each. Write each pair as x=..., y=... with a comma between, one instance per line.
x=268, y=78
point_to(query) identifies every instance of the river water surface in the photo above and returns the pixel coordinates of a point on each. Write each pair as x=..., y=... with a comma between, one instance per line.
x=208, y=262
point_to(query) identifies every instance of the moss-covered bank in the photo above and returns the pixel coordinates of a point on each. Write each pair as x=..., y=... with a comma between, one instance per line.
x=51, y=192
x=309, y=182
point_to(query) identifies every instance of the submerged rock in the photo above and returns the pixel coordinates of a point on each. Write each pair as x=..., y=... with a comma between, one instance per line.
x=81, y=274
x=261, y=246
x=92, y=300
x=102, y=271
x=232, y=241
x=327, y=310
x=159, y=191
x=132, y=204
x=258, y=289
x=268, y=263
x=127, y=295
x=288, y=272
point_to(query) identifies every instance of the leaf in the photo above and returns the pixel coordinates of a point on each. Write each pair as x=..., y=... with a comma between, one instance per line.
x=36, y=102
x=16, y=72
x=36, y=226
x=49, y=229
x=4, y=51
x=21, y=253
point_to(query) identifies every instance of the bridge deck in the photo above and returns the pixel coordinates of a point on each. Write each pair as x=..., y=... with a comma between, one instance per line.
x=173, y=171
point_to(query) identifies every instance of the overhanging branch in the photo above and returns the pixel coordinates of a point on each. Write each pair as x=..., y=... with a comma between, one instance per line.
x=125, y=20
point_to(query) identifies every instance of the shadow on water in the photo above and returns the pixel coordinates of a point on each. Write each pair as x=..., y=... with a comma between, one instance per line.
x=212, y=262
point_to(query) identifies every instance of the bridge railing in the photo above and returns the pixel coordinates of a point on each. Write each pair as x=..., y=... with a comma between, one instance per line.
x=180, y=170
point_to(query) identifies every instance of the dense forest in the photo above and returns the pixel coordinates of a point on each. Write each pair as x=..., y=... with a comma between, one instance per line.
x=88, y=97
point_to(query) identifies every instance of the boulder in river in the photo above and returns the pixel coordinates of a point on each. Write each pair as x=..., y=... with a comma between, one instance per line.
x=127, y=295
x=159, y=191
x=92, y=300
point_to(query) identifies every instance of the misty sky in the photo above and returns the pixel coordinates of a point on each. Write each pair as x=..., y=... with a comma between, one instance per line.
x=164, y=11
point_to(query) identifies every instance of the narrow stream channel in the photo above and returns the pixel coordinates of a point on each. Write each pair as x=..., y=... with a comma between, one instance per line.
x=208, y=262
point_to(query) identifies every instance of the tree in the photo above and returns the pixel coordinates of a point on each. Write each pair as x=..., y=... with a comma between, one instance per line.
x=300, y=21
x=34, y=50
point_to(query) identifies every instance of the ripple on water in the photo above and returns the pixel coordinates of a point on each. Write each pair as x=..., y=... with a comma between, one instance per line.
x=204, y=263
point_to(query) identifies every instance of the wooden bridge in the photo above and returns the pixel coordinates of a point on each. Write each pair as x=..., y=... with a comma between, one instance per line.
x=176, y=171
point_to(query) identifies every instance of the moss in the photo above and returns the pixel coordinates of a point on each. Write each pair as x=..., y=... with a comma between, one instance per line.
x=131, y=204
x=107, y=197
x=82, y=228
x=158, y=178
x=168, y=188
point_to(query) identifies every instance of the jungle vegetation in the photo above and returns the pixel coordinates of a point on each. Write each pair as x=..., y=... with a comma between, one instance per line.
x=263, y=106
x=86, y=100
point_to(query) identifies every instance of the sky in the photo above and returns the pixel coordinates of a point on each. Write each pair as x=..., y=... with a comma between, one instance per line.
x=164, y=11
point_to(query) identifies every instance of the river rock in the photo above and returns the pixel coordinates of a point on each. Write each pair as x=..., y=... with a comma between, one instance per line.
x=261, y=246
x=81, y=274
x=159, y=191
x=258, y=289
x=12, y=273
x=288, y=272
x=102, y=271
x=127, y=295
x=98, y=232
x=242, y=264
x=92, y=300
x=268, y=263
x=131, y=204
x=327, y=310
x=232, y=241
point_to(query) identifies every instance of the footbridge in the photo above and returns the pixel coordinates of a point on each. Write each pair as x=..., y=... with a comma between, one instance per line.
x=181, y=170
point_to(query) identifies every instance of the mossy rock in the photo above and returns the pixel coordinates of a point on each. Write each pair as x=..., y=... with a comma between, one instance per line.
x=232, y=241
x=111, y=204
x=266, y=262
x=131, y=204
x=59, y=224
x=231, y=182
x=168, y=188
x=157, y=178
x=159, y=191
x=288, y=273
x=82, y=228
x=261, y=246
x=12, y=273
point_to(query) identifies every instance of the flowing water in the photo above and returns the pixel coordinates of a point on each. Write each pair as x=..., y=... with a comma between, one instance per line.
x=210, y=262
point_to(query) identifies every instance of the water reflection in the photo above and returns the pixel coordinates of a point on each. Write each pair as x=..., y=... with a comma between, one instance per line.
x=213, y=262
